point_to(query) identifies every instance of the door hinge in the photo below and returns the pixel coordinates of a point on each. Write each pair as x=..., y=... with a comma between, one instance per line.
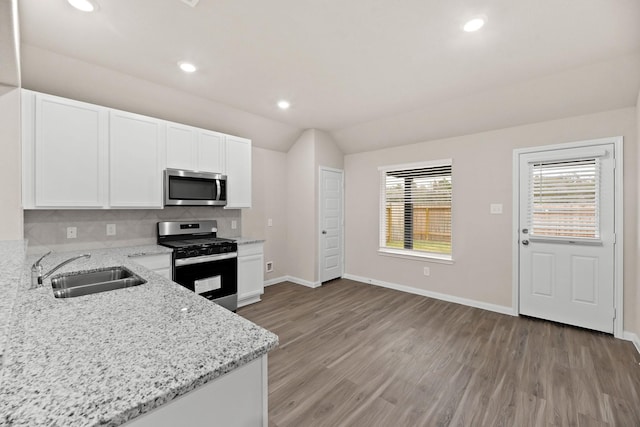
x=615, y=313
x=614, y=239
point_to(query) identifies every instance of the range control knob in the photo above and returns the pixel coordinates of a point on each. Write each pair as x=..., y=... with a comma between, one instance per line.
x=193, y=252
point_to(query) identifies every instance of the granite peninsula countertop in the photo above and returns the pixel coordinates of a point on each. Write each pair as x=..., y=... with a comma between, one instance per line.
x=106, y=358
x=12, y=255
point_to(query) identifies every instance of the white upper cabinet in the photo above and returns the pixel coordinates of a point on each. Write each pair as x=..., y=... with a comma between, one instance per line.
x=194, y=149
x=136, y=160
x=238, y=162
x=83, y=156
x=70, y=139
x=182, y=146
x=211, y=151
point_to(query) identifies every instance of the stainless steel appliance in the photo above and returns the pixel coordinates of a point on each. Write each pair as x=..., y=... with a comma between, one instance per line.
x=191, y=188
x=202, y=262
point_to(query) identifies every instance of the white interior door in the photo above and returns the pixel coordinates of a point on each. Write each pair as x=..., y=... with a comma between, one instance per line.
x=330, y=224
x=566, y=240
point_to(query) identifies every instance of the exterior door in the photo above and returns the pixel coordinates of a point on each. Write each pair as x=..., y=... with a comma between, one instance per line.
x=566, y=235
x=331, y=224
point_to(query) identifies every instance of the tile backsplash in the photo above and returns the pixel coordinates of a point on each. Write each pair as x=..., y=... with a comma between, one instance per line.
x=46, y=230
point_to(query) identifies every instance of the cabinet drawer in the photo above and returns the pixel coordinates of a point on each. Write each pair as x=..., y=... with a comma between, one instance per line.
x=250, y=249
x=154, y=262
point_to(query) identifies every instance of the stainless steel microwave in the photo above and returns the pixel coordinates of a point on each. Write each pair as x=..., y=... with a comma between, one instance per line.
x=192, y=188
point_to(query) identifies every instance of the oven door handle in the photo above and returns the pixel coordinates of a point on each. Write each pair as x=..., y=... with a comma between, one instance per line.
x=206, y=258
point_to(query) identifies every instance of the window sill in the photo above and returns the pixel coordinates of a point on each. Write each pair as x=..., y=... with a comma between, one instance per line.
x=415, y=256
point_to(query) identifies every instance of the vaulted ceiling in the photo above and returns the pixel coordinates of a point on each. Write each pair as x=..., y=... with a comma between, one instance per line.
x=372, y=73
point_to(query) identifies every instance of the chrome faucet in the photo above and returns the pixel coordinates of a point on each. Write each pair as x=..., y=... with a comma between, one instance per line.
x=36, y=269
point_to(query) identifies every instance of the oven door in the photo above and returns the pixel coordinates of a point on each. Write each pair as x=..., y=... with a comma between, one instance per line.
x=215, y=277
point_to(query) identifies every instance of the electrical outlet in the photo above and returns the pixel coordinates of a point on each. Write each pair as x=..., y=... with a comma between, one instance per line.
x=111, y=229
x=427, y=271
x=496, y=208
x=72, y=232
x=269, y=222
x=234, y=224
x=269, y=266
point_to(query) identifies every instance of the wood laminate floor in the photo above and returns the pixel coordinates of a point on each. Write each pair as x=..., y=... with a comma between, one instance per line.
x=352, y=354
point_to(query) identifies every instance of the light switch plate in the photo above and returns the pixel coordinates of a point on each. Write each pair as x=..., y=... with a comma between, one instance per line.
x=111, y=229
x=496, y=208
x=72, y=232
x=269, y=222
x=234, y=224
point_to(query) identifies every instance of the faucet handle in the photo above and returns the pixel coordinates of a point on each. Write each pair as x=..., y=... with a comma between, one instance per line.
x=36, y=272
x=37, y=263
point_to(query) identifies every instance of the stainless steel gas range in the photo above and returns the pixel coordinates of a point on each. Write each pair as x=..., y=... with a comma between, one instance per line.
x=202, y=262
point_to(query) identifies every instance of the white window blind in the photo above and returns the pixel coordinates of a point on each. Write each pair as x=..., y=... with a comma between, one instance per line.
x=564, y=198
x=416, y=209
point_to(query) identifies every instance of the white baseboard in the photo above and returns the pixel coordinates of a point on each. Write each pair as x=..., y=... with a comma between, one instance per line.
x=630, y=336
x=292, y=279
x=275, y=281
x=436, y=295
x=303, y=282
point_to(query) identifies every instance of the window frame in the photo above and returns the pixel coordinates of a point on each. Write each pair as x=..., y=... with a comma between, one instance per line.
x=410, y=253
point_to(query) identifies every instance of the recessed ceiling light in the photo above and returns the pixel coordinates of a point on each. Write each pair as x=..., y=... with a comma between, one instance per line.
x=83, y=5
x=475, y=24
x=187, y=67
x=283, y=104
x=192, y=3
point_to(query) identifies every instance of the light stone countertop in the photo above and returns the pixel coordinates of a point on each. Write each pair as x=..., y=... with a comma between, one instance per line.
x=106, y=358
x=12, y=255
x=246, y=240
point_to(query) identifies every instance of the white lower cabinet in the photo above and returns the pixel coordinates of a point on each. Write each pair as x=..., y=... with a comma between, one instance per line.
x=250, y=275
x=158, y=263
x=237, y=398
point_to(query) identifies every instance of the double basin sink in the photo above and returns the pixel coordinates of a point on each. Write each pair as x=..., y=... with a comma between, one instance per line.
x=90, y=282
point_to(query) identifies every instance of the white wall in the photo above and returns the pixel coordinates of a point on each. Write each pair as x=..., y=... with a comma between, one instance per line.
x=269, y=201
x=48, y=72
x=10, y=166
x=300, y=191
x=636, y=330
x=313, y=149
x=482, y=174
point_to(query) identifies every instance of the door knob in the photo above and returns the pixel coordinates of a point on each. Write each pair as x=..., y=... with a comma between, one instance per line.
x=525, y=242
x=324, y=231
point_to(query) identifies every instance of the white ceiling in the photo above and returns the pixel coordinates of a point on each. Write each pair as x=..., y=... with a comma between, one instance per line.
x=364, y=70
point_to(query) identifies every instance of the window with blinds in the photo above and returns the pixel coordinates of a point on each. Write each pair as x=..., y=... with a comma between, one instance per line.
x=564, y=198
x=416, y=209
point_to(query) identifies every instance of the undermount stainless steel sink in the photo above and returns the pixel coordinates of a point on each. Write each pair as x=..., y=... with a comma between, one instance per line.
x=90, y=282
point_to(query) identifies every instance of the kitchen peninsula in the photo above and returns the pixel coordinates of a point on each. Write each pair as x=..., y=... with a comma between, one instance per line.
x=127, y=355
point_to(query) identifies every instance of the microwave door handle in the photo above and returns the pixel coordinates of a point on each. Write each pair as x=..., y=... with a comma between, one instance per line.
x=218, y=189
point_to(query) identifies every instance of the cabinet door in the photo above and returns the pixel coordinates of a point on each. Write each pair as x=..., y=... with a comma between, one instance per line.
x=182, y=152
x=137, y=156
x=210, y=151
x=159, y=263
x=69, y=148
x=250, y=279
x=238, y=162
